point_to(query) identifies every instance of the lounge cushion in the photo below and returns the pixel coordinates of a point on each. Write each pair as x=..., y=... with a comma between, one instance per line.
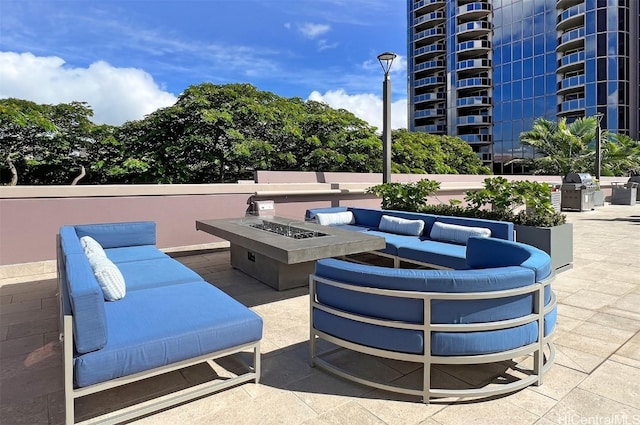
x=332, y=219
x=401, y=226
x=87, y=303
x=134, y=253
x=108, y=276
x=484, y=253
x=157, y=272
x=394, y=241
x=442, y=343
x=91, y=246
x=146, y=331
x=442, y=254
x=456, y=233
x=111, y=235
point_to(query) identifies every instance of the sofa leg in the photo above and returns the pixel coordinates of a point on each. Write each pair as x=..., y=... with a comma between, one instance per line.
x=257, y=362
x=538, y=361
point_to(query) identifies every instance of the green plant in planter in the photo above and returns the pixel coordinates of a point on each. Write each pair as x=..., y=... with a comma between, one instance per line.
x=504, y=197
x=405, y=196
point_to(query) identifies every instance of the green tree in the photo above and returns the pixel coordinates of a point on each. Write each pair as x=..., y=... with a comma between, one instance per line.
x=423, y=153
x=620, y=156
x=560, y=148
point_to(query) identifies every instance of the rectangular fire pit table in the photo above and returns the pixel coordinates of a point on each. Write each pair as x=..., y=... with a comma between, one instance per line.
x=282, y=252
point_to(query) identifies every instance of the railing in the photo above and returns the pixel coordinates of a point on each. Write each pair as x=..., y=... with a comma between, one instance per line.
x=473, y=82
x=473, y=100
x=429, y=17
x=575, y=81
x=572, y=105
x=572, y=35
x=429, y=97
x=473, y=45
x=429, y=65
x=571, y=59
x=571, y=12
x=424, y=113
x=472, y=26
x=473, y=63
x=429, y=81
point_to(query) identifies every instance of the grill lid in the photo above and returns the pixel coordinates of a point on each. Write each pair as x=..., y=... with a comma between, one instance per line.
x=581, y=178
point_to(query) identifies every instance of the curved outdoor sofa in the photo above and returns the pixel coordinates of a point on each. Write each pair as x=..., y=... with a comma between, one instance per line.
x=428, y=239
x=499, y=308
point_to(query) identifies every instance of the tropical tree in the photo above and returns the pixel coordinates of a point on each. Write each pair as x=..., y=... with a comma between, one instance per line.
x=560, y=148
x=423, y=153
x=621, y=156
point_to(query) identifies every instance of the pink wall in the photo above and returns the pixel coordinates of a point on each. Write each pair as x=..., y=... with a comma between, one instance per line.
x=31, y=216
x=28, y=226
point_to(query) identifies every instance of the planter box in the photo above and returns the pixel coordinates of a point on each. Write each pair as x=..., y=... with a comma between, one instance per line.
x=556, y=241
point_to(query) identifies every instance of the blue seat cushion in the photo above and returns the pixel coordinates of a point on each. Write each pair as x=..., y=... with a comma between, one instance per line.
x=434, y=252
x=160, y=326
x=394, y=241
x=442, y=343
x=134, y=253
x=145, y=274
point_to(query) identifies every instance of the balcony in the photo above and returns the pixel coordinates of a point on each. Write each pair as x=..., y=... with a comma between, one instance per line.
x=596, y=340
x=429, y=35
x=571, y=106
x=472, y=47
x=478, y=82
x=473, y=29
x=473, y=120
x=571, y=17
x=429, y=81
x=571, y=40
x=433, y=49
x=474, y=10
x=430, y=113
x=571, y=62
x=465, y=102
x=473, y=64
x=571, y=84
x=428, y=5
x=429, y=97
x=432, y=128
x=429, y=65
x=430, y=19
x=477, y=139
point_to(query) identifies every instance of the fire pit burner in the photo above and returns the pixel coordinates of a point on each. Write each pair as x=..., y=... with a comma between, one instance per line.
x=287, y=230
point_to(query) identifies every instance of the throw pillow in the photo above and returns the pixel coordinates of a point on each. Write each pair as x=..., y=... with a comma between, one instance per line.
x=456, y=233
x=401, y=226
x=335, y=219
x=91, y=246
x=109, y=277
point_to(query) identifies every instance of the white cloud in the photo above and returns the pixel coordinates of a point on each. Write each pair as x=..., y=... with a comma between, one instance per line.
x=115, y=94
x=310, y=30
x=324, y=45
x=365, y=106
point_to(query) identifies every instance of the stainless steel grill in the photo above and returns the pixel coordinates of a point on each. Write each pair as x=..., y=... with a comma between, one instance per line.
x=577, y=192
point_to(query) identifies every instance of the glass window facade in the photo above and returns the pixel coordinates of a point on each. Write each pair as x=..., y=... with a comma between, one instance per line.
x=496, y=66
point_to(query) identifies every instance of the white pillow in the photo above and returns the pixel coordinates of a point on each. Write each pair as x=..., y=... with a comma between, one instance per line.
x=401, y=226
x=334, y=219
x=91, y=246
x=109, y=277
x=456, y=233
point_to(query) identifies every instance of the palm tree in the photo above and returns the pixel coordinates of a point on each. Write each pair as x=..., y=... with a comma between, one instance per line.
x=560, y=148
x=621, y=156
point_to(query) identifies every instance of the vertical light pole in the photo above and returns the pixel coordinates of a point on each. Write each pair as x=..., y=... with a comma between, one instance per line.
x=386, y=59
x=599, y=116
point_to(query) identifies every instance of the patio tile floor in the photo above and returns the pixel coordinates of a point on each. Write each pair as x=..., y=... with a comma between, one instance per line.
x=596, y=378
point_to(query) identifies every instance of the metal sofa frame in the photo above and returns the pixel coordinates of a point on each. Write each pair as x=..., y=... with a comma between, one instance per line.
x=542, y=363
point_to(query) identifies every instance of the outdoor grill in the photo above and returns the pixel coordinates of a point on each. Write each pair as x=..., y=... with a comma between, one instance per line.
x=577, y=192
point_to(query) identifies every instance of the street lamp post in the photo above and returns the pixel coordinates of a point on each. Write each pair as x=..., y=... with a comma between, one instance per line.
x=386, y=60
x=599, y=116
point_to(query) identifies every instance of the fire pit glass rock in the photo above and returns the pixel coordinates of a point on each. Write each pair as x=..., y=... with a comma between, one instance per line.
x=286, y=230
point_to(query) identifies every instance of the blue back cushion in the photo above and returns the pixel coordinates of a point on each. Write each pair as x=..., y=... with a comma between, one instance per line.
x=87, y=303
x=367, y=217
x=483, y=253
x=499, y=229
x=114, y=235
x=311, y=213
x=411, y=310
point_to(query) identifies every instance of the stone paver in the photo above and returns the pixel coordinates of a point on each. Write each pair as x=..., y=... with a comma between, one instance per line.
x=595, y=379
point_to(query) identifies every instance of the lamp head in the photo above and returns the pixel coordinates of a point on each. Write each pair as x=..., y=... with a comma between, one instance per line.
x=386, y=60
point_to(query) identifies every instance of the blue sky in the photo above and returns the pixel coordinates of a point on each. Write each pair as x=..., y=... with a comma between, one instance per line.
x=128, y=57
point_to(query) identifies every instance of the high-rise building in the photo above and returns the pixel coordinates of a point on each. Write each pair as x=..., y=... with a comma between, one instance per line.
x=484, y=70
